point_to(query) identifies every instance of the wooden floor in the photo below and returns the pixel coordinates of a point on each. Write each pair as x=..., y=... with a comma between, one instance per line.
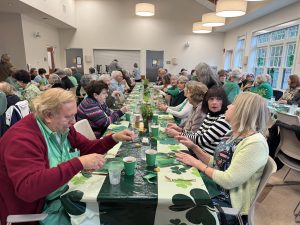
x=277, y=203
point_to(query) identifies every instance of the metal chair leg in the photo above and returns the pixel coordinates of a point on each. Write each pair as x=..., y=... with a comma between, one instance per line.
x=286, y=174
x=239, y=217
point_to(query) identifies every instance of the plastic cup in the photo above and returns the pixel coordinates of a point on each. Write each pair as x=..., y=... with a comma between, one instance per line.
x=151, y=157
x=293, y=109
x=129, y=165
x=155, y=118
x=128, y=116
x=114, y=171
x=154, y=131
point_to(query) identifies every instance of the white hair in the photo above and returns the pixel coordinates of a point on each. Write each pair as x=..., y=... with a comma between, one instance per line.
x=115, y=73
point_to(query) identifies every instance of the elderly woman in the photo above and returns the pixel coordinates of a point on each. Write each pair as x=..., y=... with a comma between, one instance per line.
x=240, y=158
x=94, y=108
x=214, y=126
x=8, y=90
x=203, y=73
x=194, y=91
x=231, y=87
x=262, y=87
x=176, y=92
x=69, y=74
x=294, y=87
x=28, y=90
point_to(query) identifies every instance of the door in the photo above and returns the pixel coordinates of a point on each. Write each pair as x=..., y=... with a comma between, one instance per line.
x=74, y=57
x=154, y=61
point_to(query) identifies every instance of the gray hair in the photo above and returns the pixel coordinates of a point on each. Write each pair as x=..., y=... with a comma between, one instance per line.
x=86, y=79
x=183, y=79
x=115, y=73
x=235, y=74
x=104, y=77
x=205, y=74
x=68, y=71
x=54, y=78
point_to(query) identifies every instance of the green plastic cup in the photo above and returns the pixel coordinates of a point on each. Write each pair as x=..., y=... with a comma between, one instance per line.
x=129, y=165
x=128, y=116
x=151, y=157
x=155, y=118
x=155, y=131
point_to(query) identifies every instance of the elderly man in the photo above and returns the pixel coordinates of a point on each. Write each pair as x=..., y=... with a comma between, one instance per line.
x=42, y=152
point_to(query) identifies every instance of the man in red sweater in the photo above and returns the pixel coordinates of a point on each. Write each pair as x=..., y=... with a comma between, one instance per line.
x=37, y=154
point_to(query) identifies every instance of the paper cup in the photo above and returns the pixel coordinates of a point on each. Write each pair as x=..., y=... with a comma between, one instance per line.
x=129, y=165
x=151, y=157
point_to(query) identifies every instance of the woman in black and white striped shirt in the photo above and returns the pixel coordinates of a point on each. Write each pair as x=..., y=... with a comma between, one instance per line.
x=214, y=126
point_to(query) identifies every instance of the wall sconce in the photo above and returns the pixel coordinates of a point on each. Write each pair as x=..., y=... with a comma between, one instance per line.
x=36, y=34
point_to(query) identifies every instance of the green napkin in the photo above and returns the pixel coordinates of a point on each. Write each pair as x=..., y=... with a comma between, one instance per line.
x=210, y=185
x=168, y=141
x=118, y=128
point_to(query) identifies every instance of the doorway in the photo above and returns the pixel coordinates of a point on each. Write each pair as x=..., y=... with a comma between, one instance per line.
x=74, y=58
x=154, y=61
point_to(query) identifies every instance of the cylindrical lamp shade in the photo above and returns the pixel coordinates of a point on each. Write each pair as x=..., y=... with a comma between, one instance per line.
x=212, y=20
x=198, y=28
x=144, y=9
x=231, y=8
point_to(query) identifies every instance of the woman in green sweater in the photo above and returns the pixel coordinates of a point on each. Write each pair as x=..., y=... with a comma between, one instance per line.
x=262, y=87
x=240, y=158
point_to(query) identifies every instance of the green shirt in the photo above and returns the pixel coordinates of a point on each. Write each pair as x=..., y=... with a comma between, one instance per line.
x=30, y=92
x=58, y=147
x=173, y=91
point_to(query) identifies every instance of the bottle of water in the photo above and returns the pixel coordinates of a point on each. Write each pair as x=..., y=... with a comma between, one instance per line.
x=145, y=146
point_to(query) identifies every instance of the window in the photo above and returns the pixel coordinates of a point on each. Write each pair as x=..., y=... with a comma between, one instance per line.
x=227, y=61
x=275, y=53
x=239, y=53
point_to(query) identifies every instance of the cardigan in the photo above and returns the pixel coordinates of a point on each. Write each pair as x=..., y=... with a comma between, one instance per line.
x=25, y=176
x=244, y=173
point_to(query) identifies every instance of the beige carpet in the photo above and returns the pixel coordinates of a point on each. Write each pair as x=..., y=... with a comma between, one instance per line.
x=277, y=203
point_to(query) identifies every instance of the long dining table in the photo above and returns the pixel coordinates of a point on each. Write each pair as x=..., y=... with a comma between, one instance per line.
x=176, y=194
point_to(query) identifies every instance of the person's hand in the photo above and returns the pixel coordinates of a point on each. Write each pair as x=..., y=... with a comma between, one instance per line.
x=125, y=135
x=115, y=93
x=282, y=101
x=163, y=107
x=174, y=127
x=92, y=161
x=165, y=89
x=123, y=82
x=187, y=159
x=124, y=109
x=185, y=141
x=171, y=132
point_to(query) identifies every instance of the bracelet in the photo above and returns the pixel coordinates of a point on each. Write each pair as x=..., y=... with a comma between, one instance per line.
x=205, y=169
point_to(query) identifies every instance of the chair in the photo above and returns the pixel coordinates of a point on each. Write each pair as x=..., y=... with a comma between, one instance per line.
x=84, y=127
x=268, y=170
x=277, y=94
x=25, y=218
x=288, y=150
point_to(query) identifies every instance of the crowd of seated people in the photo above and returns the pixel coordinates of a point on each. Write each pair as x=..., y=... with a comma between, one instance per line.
x=206, y=123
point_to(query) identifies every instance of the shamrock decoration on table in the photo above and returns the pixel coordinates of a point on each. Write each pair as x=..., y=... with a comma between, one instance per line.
x=195, y=172
x=79, y=180
x=178, y=170
x=177, y=222
x=183, y=183
x=199, y=208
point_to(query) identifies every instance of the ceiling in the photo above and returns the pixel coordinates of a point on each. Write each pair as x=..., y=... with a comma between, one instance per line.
x=255, y=10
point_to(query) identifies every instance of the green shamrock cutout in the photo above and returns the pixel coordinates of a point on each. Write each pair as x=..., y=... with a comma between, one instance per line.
x=178, y=170
x=183, y=183
x=176, y=222
x=195, y=172
x=199, y=208
x=79, y=180
x=174, y=148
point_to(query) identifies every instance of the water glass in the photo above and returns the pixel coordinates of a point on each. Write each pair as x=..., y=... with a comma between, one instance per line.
x=114, y=171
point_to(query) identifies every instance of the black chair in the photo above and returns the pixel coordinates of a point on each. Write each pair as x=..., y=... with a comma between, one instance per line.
x=277, y=94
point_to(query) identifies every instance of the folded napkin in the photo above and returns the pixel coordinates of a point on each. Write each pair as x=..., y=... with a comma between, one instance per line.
x=116, y=128
x=168, y=141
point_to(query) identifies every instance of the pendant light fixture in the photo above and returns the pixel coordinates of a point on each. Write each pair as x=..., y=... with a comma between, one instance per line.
x=198, y=28
x=212, y=20
x=231, y=8
x=144, y=9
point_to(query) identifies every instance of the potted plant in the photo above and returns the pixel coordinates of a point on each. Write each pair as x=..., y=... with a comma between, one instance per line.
x=146, y=84
x=147, y=114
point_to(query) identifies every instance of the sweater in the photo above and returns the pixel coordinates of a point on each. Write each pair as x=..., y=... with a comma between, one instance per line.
x=210, y=132
x=178, y=99
x=264, y=89
x=244, y=173
x=99, y=116
x=195, y=119
x=232, y=90
x=25, y=176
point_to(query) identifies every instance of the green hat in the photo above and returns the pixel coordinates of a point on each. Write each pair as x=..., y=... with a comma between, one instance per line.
x=3, y=103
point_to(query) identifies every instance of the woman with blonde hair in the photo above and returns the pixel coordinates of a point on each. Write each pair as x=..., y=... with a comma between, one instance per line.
x=240, y=158
x=8, y=90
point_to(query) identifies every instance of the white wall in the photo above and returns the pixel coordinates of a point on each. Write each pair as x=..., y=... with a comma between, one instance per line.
x=60, y=9
x=11, y=39
x=283, y=15
x=36, y=48
x=103, y=24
